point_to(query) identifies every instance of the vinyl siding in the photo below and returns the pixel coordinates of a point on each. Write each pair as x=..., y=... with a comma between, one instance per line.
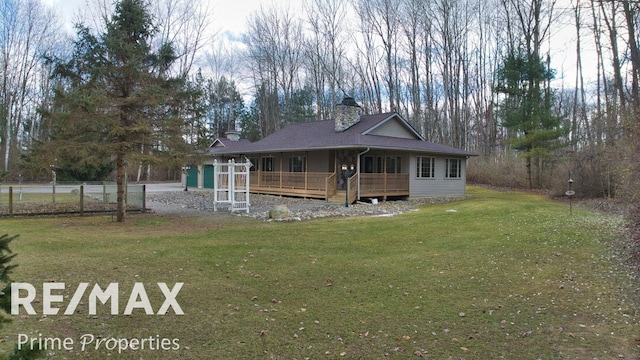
x=439, y=185
x=392, y=128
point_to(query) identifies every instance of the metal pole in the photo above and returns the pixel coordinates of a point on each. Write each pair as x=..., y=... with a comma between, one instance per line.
x=346, y=199
x=81, y=200
x=185, y=170
x=10, y=201
x=570, y=194
x=54, y=185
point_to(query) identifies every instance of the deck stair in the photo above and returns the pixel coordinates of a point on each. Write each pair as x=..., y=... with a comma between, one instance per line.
x=338, y=197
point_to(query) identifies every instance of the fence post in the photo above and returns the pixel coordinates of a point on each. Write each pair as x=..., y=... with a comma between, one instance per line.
x=144, y=198
x=81, y=200
x=10, y=201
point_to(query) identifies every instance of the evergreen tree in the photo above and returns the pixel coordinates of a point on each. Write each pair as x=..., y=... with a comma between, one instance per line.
x=250, y=123
x=225, y=107
x=118, y=98
x=526, y=109
x=5, y=298
x=301, y=107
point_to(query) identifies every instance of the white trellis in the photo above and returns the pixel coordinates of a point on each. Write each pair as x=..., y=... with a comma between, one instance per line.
x=231, y=185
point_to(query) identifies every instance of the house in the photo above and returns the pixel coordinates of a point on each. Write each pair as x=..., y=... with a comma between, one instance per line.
x=375, y=156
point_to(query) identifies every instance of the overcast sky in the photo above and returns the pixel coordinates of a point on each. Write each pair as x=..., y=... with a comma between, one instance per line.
x=227, y=15
x=231, y=16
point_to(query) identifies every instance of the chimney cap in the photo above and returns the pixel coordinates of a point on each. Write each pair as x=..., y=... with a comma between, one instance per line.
x=232, y=135
x=349, y=101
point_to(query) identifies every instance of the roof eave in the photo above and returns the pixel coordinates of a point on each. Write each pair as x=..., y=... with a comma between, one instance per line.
x=461, y=153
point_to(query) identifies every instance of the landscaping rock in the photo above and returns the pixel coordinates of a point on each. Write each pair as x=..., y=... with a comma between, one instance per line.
x=201, y=202
x=279, y=212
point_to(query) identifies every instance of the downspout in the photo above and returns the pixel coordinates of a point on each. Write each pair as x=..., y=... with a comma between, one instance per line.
x=358, y=169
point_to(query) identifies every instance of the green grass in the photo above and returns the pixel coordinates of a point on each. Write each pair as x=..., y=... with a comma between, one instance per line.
x=508, y=275
x=38, y=198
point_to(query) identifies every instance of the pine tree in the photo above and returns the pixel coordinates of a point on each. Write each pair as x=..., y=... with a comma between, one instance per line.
x=5, y=297
x=527, y=107
x=118, y=98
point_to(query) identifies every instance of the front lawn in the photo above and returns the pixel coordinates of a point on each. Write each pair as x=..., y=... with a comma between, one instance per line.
x=499, y=275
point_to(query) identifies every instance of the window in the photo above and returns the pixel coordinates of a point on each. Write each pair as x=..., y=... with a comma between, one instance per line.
x=394, y=165
x=267, y=164
x=367, y=165
x=379, y=167
x=253, y=162
x=426, y=168
x=297, y=164
x=453, y=168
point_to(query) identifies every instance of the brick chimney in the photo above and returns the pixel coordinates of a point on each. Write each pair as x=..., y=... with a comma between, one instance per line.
x=347, y=114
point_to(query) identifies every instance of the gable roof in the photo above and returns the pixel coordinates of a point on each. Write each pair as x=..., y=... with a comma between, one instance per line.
x=321, y=135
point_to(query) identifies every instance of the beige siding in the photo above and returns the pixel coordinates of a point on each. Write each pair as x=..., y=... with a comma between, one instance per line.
x=319, y=161
x=393, y=128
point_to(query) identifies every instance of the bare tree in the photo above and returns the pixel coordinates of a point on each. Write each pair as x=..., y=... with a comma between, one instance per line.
x=326, y=51
x=415, y=29
x=187, y=25
x=274, y=57
x=382, y=18
x=631, y=12
x=27, y=31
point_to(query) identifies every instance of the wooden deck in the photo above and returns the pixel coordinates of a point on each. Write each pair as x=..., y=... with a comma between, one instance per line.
x=301, y=184
x=321, y=185
x=384, y=185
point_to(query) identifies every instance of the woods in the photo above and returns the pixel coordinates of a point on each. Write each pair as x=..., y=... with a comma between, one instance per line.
x=444, y=65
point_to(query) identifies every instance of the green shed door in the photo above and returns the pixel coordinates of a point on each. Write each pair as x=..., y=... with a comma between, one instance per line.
x=208, y=177
x=192, y=177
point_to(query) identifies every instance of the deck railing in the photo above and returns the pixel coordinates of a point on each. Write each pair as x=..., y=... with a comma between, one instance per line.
x=323, y=184
x=330, y=185
x=312, y=184
x=353, y=188
x=384, y=184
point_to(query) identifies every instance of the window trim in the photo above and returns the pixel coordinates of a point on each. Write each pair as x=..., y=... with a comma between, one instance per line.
x=449, y=169
x=297, y=163
x=266, y=163
x=393, y=164
x=419, y=167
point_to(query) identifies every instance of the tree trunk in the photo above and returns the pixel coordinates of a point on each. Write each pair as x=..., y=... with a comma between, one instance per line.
x=529, y=176
x=635, y=53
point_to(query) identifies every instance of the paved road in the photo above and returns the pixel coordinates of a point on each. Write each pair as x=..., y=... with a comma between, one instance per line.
x=97, y=189
x=89, y=189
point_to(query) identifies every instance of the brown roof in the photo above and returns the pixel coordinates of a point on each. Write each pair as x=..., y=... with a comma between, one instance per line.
x=321, y=135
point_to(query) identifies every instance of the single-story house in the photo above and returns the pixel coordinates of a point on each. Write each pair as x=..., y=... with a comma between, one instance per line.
x=374, y=156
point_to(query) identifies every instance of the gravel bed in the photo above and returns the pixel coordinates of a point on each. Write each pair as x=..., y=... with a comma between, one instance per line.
x=201, y=202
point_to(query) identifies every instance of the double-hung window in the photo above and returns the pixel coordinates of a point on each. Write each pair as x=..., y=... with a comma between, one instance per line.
x=425, y=167
x=394, y=164
x=267, y=164
x=453, y=168
x=297, y=164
